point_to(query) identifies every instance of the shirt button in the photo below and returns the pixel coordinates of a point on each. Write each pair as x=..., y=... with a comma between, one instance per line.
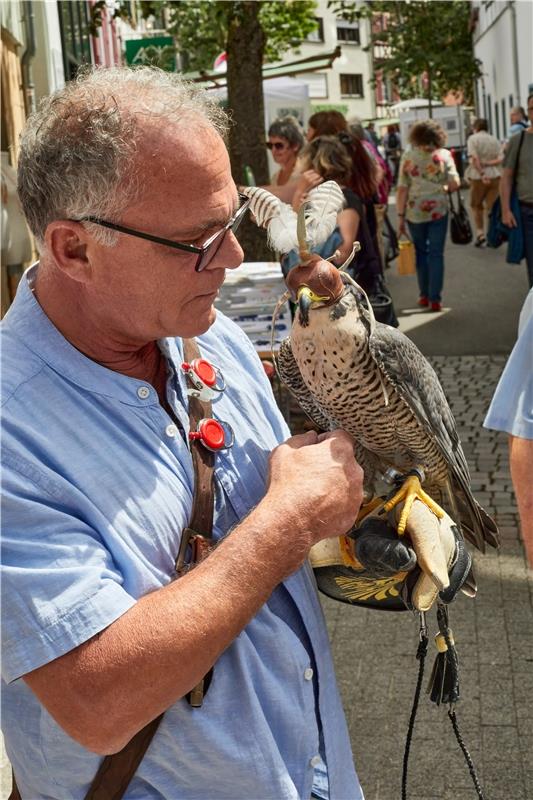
x=308, y=674
x=315, y=761
x=143, y=392
x=171, y=431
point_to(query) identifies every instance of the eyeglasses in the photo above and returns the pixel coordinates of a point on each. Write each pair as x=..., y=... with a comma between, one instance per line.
x=276, y=145
x=205, y=253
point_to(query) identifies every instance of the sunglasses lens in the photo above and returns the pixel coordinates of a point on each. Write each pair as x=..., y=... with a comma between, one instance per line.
x=269, y=145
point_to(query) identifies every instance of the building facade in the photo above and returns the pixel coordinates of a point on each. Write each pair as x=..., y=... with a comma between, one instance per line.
x=345, y=86
x=502, y=32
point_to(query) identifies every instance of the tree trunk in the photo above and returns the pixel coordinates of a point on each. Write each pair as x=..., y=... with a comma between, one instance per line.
x=430, y=90
x=245, y=49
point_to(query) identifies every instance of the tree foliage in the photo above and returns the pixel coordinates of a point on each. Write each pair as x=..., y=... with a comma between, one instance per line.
x=202, y=29
x=427, y=46
x=250, y=32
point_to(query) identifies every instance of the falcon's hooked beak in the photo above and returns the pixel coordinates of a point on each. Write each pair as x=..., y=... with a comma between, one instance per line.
x=317, y=281
x=306, y=298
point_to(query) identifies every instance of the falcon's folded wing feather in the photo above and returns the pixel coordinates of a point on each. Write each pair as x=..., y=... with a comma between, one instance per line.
x=406, y=369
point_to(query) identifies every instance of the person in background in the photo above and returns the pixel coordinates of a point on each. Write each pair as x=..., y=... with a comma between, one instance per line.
x=125, y=181
x=393, y=149
x=519, y=121
x=483, y=174
x=518, y=170
x=511, y=411
x=366, y=173
x=426, y=173
x=372, y=134
x=328, y=158
x=285, y=140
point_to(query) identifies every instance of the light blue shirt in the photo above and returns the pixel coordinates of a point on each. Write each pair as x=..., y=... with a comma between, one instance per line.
x=97, y=486
x=511, y=409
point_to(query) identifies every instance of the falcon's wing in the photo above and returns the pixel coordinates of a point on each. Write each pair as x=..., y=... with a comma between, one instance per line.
x=291, y=376
x=403, y=365
x=405, y=368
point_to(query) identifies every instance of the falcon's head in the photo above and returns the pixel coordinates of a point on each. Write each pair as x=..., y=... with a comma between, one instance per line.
x=313, y=284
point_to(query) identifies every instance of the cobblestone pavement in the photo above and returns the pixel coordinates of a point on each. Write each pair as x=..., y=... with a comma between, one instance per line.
x=375, y=651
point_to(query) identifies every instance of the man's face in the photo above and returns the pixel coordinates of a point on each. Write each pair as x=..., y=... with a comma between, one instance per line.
x=530, y=109
x=142, y=291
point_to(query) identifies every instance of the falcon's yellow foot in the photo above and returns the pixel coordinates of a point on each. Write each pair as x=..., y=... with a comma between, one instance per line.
x=410, y=491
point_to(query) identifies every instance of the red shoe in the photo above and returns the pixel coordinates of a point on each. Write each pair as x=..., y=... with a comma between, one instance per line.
x=423, y=301
x=436, y=306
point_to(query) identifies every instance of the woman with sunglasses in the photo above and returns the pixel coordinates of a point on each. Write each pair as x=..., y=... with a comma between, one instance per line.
x=285, y=140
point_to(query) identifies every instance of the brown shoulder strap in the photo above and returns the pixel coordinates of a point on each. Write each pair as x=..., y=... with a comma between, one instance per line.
x=117, y=770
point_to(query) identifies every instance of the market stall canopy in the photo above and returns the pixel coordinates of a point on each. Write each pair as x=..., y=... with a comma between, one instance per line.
x=414, y=102
x=216, y=80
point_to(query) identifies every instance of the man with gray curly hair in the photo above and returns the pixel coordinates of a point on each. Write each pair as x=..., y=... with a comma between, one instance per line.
x=125, y=182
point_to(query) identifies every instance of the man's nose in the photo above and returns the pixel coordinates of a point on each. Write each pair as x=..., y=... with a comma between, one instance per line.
x=230, y=254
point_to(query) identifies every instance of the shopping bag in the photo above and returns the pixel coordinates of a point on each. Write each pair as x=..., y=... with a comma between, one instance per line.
x=406, y=257
x=460, y=228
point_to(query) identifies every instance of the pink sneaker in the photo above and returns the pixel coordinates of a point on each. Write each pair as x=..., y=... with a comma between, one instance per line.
x=423, y=301
x=436, y=306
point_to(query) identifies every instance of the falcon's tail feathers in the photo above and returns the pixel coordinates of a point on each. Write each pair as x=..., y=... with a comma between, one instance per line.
x=477, y=526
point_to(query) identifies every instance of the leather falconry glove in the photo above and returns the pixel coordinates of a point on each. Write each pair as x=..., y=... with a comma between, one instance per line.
x=434, y=545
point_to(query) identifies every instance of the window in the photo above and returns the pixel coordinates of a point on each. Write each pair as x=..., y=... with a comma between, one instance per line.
x=75, y=37
x=348, y=32
x=318, y=34
x=351, y=85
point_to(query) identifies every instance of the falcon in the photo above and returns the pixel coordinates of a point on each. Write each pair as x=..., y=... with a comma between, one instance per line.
x=346, y=370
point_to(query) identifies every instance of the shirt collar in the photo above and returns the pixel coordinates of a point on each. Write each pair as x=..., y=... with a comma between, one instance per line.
x=27, y=320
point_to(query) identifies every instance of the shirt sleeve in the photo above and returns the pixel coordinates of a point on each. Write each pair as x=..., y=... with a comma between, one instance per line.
x=511, y=152
x=60, y=585
x=511, y=409
x=451, y=169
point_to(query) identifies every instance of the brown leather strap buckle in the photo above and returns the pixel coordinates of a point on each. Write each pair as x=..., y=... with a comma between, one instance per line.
x=194, y=547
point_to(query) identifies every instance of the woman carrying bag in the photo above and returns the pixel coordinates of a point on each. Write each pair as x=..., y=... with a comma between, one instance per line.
x=427, y=172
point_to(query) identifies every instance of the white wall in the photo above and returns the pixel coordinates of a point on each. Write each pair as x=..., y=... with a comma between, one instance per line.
x=505, y=51
x=48, y=72
x=11, y=18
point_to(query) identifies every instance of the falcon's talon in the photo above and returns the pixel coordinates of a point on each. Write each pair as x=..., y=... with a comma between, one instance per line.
x=411, y=491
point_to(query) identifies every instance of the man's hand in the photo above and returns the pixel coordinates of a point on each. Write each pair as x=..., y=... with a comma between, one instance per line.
x=316, y=482
x=508, y=218
x=402, y=228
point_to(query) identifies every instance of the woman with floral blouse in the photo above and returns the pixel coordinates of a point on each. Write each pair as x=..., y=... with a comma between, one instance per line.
x=427, y=172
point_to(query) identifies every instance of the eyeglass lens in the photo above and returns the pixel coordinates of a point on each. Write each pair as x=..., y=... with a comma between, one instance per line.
x=275, y=145
x=216, y=244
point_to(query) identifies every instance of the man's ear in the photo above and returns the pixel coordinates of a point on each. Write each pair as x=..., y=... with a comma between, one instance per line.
x=67, y=242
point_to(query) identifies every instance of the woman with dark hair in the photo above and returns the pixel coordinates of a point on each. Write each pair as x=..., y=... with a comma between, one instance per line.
x=285, y=140
x=427, y=172
x=364, y=179
x=328, y=159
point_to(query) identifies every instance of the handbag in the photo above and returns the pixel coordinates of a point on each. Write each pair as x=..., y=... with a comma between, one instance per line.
x=117, y=770
x=381, y=301
x=460, y=228
x=406, y=257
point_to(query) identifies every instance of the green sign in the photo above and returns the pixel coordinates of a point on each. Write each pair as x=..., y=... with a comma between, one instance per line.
x=157, y=51
x=342, y=107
